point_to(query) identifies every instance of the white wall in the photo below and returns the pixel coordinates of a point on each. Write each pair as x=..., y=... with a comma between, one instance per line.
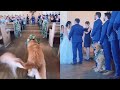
x=50, y=12
x=83, y=15
x=10, y=12
x=35, y=14
x=63, y=17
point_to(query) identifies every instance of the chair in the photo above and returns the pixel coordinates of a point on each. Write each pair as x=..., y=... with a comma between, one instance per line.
x=5, y=35
x=51, y=35
x=54, y=35
x=49, y=27
x=57, y=35
x=10, y=26
x=1, y=39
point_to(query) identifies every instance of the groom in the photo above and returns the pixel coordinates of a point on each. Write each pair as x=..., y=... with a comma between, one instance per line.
x=76, y=34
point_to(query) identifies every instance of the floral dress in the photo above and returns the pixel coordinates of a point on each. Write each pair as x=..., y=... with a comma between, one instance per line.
x=17, y=30
x=45, y=27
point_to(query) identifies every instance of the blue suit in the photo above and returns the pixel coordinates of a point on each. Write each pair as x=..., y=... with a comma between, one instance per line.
x=116, y=27
x=76, y=34
x=114, y=43
x=96, y=32
x=106, y=46
x=33, y=20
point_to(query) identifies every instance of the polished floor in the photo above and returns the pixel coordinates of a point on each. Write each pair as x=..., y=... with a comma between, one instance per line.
x=80, y=71
x=18, y=47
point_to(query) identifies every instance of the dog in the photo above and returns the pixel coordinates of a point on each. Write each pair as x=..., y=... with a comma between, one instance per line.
x=99, y=58
x=35, y=62
x=12, y=62
x=34, y=73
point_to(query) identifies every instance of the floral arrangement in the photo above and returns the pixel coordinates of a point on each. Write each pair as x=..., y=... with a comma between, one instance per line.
x=32, y=37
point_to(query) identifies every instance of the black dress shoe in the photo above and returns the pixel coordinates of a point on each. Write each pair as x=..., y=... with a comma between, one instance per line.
x=79, y=62
x=74, y=63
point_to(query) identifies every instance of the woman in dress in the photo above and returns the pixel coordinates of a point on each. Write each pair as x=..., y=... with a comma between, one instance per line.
x=45, y=27
x=17, y=30
x=87, y=39
x=66, y=54
x=2, y=20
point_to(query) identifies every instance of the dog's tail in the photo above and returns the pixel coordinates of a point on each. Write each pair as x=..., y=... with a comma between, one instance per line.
x=20, y=63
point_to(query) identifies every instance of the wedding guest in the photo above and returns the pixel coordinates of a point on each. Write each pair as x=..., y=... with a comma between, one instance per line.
x=106, y=45
x=7, y=20
x=27, y=19
x=87, y=40
x=39, y=16
x=96, y=32
x=116, y=27
x=24, y=23
x=33, y=19
x=114, y=44
x=57, y=18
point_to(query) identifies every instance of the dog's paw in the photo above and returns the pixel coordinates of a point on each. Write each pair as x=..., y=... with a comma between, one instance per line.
x=28, y=77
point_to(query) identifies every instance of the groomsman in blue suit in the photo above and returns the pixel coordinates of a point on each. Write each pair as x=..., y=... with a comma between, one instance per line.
x=116, y=27
x=97, y=27
x=33, y=19
x=76, y=34
x=114, y=44
x=106, y=45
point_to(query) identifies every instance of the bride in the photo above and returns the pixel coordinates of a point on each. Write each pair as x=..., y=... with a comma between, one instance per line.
x=66, y=54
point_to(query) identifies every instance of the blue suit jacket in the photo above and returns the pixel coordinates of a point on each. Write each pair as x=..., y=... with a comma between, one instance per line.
x=76, y=33
x=96, y=32
x=116, y=25
x=104, y=37
x=110, y=32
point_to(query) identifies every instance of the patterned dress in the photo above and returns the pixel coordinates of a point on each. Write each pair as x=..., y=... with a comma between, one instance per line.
x=17, y=30
x=45, y=27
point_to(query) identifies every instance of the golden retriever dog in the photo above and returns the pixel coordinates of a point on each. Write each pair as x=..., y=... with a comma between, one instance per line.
x=35, y=64
x=99, y=58
x=12, y=62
